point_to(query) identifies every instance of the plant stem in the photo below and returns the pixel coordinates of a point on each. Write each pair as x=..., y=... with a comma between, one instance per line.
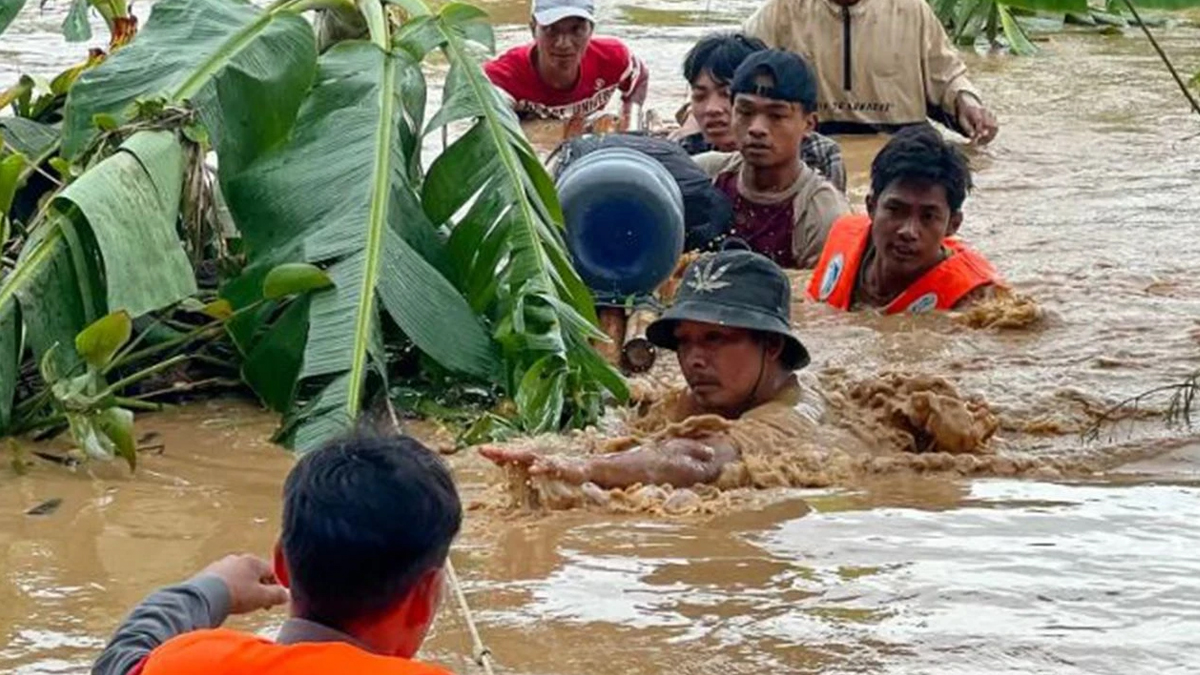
x=138, y=404
x=143, y=374
x=1163, y=55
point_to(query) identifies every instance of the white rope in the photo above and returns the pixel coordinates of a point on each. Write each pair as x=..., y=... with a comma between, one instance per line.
x=482, y=655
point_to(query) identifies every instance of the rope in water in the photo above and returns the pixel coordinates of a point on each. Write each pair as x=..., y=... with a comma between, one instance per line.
x=482, y=655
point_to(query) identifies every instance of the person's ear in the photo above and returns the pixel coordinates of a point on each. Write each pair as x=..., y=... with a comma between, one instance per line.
x=871, y=203
x=810, y=122
x=279, y=563
x=425, y=599
x=533, y=28
x=955, y=223
x=774, y=347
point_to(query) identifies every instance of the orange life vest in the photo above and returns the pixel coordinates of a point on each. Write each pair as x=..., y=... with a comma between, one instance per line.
x=940, y=288
x=226, y=652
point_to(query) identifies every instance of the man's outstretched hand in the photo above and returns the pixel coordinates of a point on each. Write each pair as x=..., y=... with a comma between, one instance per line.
x=566, y=469
x=251, y=582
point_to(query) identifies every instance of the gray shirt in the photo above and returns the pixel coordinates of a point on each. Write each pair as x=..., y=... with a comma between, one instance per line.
x=199, y=603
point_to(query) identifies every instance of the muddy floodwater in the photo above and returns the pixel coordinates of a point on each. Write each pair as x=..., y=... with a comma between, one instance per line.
x=1088, y=201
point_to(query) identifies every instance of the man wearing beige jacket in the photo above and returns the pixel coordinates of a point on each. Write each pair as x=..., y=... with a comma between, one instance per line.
x=881, y=64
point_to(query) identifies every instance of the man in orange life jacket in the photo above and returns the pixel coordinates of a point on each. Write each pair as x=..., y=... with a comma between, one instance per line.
x=367, y=527
x=903, y=257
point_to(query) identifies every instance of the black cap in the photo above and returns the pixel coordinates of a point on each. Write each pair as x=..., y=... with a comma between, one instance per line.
x=792, y=79
x=735, y=288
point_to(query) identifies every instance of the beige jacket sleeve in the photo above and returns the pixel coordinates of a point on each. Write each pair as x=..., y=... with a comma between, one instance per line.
x=945, y=72
x=713, y=162
x=824, y=206
x=769, y=23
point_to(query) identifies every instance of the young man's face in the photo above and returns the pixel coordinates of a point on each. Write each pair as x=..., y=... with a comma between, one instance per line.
x=713, y=109
x=769, y=131
x=561, y=44
x=722, y=365
x=909, y=220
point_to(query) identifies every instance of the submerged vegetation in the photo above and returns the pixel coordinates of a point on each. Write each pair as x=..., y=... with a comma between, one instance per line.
x=322, y=266
x=1010, y=23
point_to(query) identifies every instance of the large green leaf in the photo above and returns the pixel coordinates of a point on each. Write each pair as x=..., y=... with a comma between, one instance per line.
x=27, y=136
x=1050, y=6
x=130, y=203
x=10, y=361
x=1166, y=4
x=1018, y=41
x=9, y=9
x=508, y=249
x=246, y=70
x=75, y=26
x=337, y=195
x=50, y=293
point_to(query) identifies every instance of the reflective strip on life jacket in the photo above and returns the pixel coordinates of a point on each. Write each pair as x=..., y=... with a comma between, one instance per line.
x=941, y=288
x=226, y=652
x=837, y=269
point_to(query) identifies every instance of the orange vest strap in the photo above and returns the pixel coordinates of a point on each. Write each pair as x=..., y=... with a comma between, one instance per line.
x=228, y=652
x=942, y=287
x=837, y=269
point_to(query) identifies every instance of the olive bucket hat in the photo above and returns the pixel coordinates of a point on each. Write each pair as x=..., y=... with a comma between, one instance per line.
x=735, y=288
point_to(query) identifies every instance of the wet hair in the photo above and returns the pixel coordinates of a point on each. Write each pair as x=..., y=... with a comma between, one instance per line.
x=920, y=153
x=719, y=55
x=364, y=518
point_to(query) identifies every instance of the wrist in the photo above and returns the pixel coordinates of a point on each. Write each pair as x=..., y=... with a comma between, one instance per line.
x=216, y=595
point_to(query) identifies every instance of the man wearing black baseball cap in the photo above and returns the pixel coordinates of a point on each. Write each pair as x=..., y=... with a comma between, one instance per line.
x=782, y=207
x=729, y=327
x=566, y=72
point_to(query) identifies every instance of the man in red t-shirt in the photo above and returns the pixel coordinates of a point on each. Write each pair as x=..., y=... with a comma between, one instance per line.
x=566, y=72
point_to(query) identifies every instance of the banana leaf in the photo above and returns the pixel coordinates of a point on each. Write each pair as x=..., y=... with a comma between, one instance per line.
x=9, y=9
x=108, y=242
x=1018, y=40
x=245, y=69
x=338, y=195
x=1051, y=6
x=508, y=247
x=10, y=361
x=27, y=136
x=130, y=203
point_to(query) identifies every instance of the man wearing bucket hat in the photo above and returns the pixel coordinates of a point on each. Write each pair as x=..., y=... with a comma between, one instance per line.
x=566, y=72
x=729, y=327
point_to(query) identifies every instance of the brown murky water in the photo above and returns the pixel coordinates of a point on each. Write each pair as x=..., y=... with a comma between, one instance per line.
x=1088, y=202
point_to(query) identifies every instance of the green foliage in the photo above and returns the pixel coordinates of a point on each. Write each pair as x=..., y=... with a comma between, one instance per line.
x=238, y=65
x=346, y=254
x=9, y=9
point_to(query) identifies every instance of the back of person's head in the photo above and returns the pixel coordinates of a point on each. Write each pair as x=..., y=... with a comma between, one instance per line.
x=921, y=153
x=789, y=78
x=719, y=55
x=365, y=518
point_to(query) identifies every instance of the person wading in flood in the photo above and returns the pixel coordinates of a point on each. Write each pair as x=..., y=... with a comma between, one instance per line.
x=903, y=257
x=782, y=207
x=364, y=584
x=709, y=69
x=882, y=64
x=566, y=72
x=729, y=327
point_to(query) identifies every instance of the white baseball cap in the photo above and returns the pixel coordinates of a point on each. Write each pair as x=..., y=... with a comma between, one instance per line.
x=546, y=12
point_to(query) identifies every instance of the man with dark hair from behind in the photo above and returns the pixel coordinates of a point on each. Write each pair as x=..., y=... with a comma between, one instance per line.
x=708, y=69
x=902, y=256
x=367, y=526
